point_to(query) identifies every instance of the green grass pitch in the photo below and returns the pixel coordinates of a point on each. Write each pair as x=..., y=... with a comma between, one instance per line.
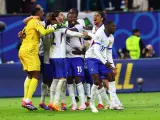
x=138, y=106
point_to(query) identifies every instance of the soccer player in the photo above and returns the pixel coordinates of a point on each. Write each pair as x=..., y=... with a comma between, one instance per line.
x=100, y=63
x=75, y=62
x=44, y=50
x=28, y=55
x=98, y=25
x=58, y=60
x=44, y=47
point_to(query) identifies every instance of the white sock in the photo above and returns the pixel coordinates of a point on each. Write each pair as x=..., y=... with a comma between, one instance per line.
x=27, y=100
x=99, y=98
x=103, y=94
x=94, y=88
x=75, y=89
x=58, y=91
x=72, y=94
x=80, y=89
x=87, y=88
x=112, y=92
x=52, y=89
x=44, y=89
x=63, y=93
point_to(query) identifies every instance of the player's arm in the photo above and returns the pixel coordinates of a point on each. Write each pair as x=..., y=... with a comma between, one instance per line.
x=26, y=20
x=71, y=33
x=42, y=30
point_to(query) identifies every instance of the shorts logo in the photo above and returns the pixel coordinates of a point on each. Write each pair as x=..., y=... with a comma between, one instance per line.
x=92, y=70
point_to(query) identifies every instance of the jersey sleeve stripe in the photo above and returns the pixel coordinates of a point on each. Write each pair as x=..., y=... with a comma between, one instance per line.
x=97, y=43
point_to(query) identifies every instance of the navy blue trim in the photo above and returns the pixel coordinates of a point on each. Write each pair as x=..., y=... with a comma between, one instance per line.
x=54, y=43
x=109, y=48
x=66, y=30
x=97, y=43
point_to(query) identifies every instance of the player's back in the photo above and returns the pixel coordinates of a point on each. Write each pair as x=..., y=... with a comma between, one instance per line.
x=59, y=44
x=32, y=37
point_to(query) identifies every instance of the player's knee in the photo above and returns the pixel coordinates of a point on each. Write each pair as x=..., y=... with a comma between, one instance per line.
x=36, y=74
x=70, y=80
x=78, y=80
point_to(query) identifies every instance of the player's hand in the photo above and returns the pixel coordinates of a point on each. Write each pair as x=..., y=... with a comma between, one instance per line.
x=108, y=65
x=114, y=71
x=36, y=17
x=20, y=34
x=85, y=34
x=76, y=51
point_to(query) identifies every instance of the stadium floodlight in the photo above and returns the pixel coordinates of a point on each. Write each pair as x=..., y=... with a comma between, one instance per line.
x=2, y=28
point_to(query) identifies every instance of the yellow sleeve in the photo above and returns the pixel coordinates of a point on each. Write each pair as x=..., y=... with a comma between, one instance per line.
x=39, y=27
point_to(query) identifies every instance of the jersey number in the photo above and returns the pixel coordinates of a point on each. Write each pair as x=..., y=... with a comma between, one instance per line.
x=79, y=69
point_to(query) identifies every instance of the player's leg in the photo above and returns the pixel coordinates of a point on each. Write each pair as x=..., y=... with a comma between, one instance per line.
x=47, y=78
x=102, y=90
x=60, y=65
x=53, y=83
x=92, y=65
x=75, y=90
x=26, y=87
x=28, y=78
x=87, y=86
x=34, y=69
x=63, y=96
x=71, y=91
x=70, y=84
x=78, y=72
x=112, y=92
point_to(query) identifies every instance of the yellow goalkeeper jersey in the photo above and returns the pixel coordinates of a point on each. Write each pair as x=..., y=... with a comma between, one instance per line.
x=32, y=31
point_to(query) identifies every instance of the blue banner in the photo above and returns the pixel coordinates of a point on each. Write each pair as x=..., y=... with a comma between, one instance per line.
x=12, y=77
x=150, y=31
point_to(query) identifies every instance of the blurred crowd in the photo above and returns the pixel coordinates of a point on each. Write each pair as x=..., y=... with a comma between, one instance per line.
x=24, y=6
x=135, y=48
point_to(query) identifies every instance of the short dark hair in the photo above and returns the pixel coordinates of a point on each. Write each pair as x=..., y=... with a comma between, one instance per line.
x=71, y=13
x=135, y=31
x=35, y=11
x=74, y=10
x=55, y=14
x=108, y=23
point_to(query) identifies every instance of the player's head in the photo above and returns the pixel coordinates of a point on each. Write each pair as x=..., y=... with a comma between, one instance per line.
x=136, y=32
x=110, y=27
x=72, y=18
x=74, y=10
x=58, y=16
x=38, y=12
x=98, y=18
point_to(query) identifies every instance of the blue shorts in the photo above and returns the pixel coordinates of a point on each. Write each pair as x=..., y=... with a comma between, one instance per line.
x=42, y=63
x=95, y=66
x=58, y=66
x=75, y=67
x=48, y=72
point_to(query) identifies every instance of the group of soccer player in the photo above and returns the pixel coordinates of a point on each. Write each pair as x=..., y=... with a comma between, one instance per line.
x=60, y=53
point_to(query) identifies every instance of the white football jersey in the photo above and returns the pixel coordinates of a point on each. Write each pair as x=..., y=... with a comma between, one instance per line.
x=72, y=42
x=100, y=43
x=94, y=30
x=59, y=44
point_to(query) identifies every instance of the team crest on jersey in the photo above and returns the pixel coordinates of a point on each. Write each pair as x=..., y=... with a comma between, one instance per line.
x=110, y=42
